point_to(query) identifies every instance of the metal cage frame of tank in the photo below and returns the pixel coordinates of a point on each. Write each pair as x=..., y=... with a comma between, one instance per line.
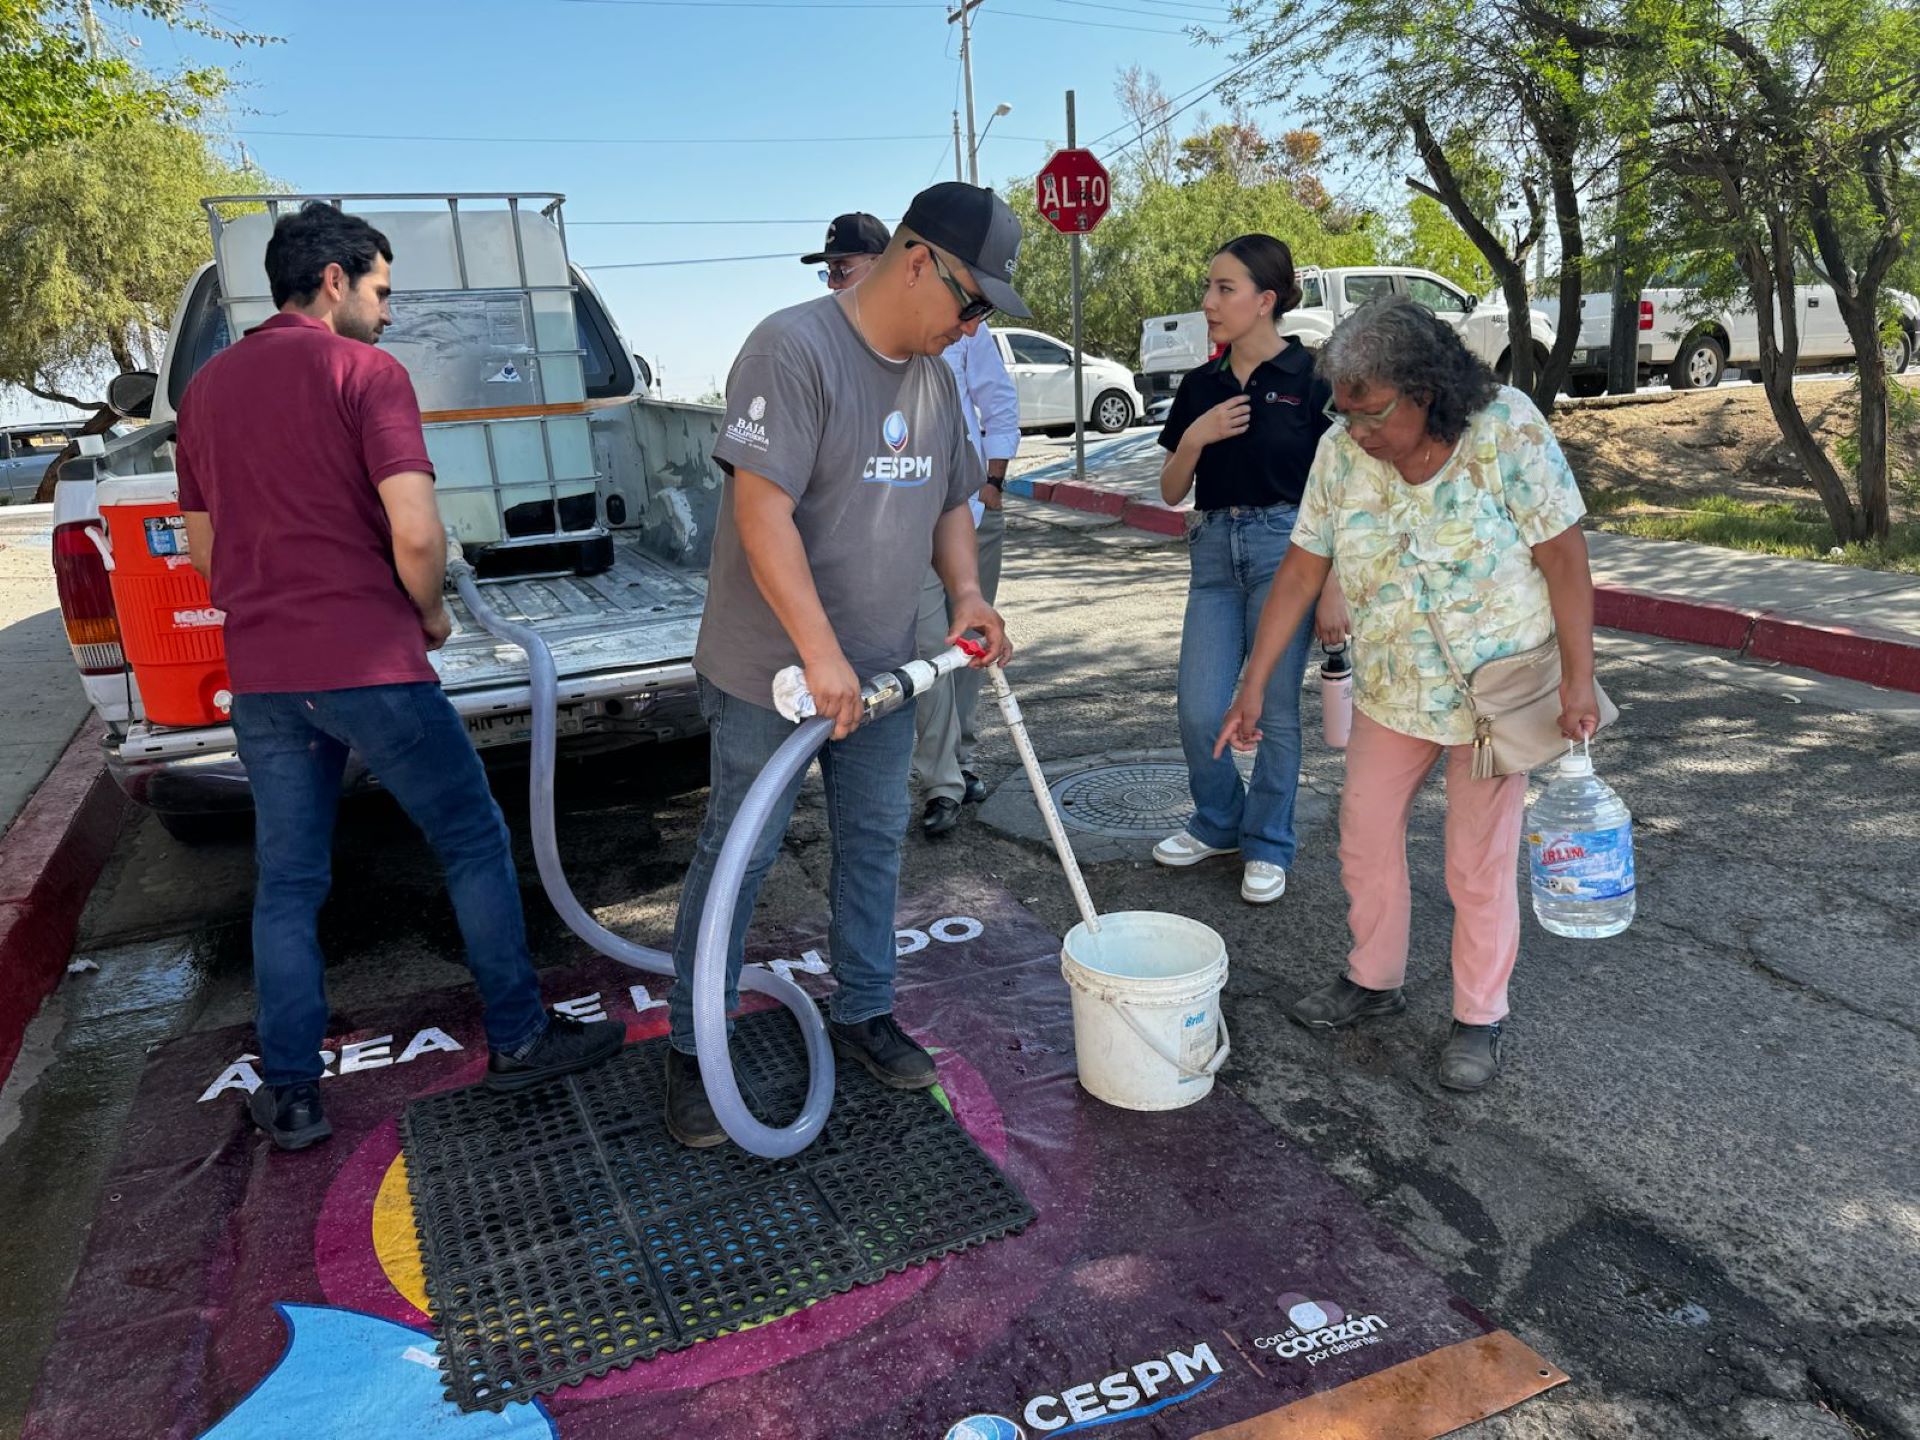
x=550, y=207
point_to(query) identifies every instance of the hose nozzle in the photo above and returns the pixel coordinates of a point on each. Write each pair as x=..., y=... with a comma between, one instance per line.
x=881, y=695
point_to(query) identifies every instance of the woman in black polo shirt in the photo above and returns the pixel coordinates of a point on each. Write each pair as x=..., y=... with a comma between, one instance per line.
x=1243, y=428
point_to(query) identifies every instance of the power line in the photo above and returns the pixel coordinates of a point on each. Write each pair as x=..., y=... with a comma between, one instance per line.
x=1204, y=85
x=1173, y=115
x=623, y=139
x=1199, y=93
x=768, y=4
x=1211, y=12
x=702, y=260
x=1075, y=20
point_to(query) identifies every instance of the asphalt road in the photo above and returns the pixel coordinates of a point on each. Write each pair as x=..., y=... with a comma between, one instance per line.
x=1695, y=1185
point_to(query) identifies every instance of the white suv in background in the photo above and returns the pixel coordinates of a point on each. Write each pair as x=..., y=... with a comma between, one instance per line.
x=1042, y=371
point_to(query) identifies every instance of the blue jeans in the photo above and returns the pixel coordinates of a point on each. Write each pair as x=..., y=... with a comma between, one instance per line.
x=1234, y=554
x=295, y=749
x=868, y=800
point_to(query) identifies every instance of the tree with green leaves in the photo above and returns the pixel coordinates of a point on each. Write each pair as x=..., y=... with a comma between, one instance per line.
x=1504, y=105
x=1786, y=129
x=1433, y=241
x=1150, y=255
x=1176, y=201
x=64, y=78
x=97, y=239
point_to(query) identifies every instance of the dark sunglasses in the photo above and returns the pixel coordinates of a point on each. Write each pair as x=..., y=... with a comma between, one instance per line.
x=972, y=307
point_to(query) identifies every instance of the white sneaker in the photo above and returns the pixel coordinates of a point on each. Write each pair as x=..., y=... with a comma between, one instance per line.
x=1262, y=882
x=1180, y=849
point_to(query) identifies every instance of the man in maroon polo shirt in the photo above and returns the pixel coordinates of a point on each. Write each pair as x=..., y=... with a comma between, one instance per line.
x=310, y=509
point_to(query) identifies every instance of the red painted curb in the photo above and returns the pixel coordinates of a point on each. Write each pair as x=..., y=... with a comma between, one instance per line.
x=49, y=859
x=1089, y=497
x=1672, y=617
x=1151, y=515
x=1041, y=490
x=1888, y=658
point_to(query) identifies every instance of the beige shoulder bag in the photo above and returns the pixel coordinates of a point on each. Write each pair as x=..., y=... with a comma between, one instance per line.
x=1516, y=706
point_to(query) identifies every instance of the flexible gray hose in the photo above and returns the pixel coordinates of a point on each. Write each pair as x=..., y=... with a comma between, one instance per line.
x=716, y=921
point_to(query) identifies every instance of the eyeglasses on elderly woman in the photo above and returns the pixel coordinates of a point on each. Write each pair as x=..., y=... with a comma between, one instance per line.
x=1363, y=421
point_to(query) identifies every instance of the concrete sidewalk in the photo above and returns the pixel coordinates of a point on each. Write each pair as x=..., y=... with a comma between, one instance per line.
x=41, y=703
x=59, y=810
x=1838, y=619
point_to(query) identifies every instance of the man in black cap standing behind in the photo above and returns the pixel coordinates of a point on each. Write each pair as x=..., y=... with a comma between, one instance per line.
x=848, y=470
x=854, y=242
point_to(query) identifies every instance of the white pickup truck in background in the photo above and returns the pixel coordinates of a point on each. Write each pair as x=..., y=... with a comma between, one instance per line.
x=622, y=636
x=1692, y=350
x=1171, y=345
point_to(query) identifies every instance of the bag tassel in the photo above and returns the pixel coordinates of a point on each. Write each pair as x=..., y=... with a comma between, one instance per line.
x=1483, y=750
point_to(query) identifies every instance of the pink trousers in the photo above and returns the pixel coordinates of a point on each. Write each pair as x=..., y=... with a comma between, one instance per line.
x=1385, y=770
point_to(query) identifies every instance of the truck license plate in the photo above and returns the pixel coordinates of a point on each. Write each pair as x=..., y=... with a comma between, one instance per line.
x=489, y=730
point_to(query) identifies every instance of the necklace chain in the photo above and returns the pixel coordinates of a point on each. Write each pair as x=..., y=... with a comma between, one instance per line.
x=860, y=329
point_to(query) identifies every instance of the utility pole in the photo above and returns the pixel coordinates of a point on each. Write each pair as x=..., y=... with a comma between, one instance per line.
x=958, y=173
x=966, y=69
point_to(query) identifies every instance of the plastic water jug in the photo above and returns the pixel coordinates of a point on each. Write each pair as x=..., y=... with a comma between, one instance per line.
x=1336, y=697
x=1580, y=853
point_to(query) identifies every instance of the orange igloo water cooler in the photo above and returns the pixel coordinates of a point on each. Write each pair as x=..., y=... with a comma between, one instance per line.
x=172, y=635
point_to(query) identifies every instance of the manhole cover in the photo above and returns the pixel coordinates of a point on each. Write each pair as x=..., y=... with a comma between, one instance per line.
x=1144, y=800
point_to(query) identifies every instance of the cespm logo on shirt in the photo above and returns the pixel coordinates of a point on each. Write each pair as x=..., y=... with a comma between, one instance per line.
x=903, y=471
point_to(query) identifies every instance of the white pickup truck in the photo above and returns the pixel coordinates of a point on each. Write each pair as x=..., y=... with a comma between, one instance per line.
x=1171, y=345
x=1691, y=350
x=645, y=490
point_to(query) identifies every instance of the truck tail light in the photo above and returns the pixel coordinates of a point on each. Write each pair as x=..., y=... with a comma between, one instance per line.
x=86, y=600
x=1646, y=314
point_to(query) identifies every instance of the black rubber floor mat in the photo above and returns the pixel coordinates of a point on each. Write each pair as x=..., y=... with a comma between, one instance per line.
x=565, y=1233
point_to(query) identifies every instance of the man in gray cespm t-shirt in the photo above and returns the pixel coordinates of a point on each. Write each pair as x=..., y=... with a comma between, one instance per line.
x=848, y=470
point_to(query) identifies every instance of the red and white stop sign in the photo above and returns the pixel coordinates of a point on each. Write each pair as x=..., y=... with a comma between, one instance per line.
x=1073, y=191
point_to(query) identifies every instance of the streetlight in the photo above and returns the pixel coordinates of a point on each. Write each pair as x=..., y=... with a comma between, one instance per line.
x=973, y=160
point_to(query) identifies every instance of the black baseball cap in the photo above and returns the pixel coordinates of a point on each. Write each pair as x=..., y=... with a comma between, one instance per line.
x=973, y=225
x=857, y=233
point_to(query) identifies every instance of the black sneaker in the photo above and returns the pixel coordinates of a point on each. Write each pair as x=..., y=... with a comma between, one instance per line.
x=975, y=788
x=568, y=1046
x=892, y=1055
x=1471, y=1056
x=690, y=1117
x=1341, y=1003
x=291, y=1114
x=940, y=816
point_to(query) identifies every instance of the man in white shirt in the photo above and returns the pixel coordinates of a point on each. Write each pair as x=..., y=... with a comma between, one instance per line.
x=943, y=718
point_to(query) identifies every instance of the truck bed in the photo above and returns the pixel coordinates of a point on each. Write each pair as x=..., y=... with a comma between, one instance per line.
x=642, y=612
x=625, y=633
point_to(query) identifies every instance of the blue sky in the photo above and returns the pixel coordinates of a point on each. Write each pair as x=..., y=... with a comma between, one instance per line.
x=552, y=95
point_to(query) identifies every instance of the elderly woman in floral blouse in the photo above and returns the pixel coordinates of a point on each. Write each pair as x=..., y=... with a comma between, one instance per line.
x=1439, y=492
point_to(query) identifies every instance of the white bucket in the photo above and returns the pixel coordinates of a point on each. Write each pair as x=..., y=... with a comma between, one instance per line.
x=1147, y=1027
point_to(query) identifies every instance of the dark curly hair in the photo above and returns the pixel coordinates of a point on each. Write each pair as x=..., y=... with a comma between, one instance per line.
x=1398, y=342
x=313, y=237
